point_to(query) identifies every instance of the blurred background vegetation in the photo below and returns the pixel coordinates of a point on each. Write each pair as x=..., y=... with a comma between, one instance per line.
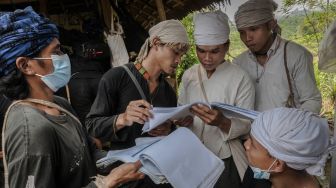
x=302, y=21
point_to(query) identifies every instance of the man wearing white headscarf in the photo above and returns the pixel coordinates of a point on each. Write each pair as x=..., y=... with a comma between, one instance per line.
x=216, y=80
x=282, y=71
x=288, y=146
x=122, y=104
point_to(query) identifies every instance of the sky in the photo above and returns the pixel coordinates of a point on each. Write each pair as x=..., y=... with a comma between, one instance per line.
x=231, y=9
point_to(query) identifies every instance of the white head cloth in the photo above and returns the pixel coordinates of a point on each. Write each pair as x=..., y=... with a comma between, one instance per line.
x=327, y=50
x=255, y=12
x=211, y=28
x=169, y=31
x=299, y=138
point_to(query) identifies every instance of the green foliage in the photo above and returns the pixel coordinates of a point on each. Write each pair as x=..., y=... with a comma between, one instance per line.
x=236, y=45
x=190, y=58
x=307, y=29
x=290, y=25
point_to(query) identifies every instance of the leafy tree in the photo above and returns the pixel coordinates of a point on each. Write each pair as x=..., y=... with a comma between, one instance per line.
x=190, y=58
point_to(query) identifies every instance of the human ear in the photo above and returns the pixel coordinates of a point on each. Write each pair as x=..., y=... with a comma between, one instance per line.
x=271, y=24
x=227, y=46
x=156, y=41
x=279, y=166
x=22, y=63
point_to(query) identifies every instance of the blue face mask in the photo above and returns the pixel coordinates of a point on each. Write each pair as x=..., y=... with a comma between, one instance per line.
x=62, y=72
x=262, y=174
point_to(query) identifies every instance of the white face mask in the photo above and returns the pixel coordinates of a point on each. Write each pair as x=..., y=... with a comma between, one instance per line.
x=262, y=174
x=62, y=72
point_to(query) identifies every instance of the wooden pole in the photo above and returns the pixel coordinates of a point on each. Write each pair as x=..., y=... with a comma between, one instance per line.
x=161, y=11
x=43, y=7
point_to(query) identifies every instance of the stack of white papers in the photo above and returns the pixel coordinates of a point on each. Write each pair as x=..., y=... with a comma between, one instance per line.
x=160, y=115
x=179, y=158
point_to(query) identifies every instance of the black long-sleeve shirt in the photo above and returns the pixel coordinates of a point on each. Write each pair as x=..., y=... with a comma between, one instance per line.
x=116, y=90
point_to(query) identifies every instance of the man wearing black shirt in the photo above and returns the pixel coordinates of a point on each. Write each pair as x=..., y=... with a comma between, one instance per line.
x=119, y=111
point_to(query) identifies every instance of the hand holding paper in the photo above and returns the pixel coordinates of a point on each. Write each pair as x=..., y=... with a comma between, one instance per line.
x=160, y=115
x=184, y=122
x=136, y=112
x=162, y=130
x=212, y=116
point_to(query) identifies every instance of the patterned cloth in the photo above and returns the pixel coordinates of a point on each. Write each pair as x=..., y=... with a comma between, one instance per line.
x=255, y=12
x=168, y=31
x=23, y=33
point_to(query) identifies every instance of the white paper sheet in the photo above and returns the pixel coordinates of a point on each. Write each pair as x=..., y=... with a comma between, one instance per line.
x=160, y=115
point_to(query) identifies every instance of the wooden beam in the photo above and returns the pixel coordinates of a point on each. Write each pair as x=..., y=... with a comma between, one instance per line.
x=16, y=1
x=161, y=11
x=43, y=7
x=106, y=11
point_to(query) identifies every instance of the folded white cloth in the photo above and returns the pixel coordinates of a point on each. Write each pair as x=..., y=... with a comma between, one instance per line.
x=179, y=158
x=183, y=160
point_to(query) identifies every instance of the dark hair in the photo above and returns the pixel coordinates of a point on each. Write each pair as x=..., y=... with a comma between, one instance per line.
x=14, y=85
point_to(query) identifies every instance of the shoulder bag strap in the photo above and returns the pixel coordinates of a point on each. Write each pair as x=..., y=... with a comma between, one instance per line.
x=135, y=81
x=201, y=84
x=290, y=102
x=204, y=96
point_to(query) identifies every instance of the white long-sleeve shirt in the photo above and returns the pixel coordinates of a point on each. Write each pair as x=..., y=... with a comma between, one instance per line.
x=273, y=90
x=228, y=84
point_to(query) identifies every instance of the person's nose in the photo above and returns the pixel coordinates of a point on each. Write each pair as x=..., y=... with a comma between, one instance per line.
x=207, y=56
x=178, y=59
x=249, y=36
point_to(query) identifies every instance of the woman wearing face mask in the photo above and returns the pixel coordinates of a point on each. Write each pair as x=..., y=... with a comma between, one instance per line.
x=289, y=147
x=44, y=144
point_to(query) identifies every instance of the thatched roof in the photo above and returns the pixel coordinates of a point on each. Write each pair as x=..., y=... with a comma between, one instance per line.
x=144, y=12
x=135, y=16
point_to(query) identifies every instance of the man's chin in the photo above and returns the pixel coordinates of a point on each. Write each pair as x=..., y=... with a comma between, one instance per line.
x=168, y=72
x=208, y=67
x=253, y=50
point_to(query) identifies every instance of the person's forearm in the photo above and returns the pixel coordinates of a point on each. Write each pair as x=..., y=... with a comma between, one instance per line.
x=120, y=122
x=312, y=105
x=225, y=125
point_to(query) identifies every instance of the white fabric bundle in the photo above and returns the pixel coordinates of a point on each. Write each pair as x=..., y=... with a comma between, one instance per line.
x=255, y=12
x=180, y=158
x=327, y=50
x=183, y=160
x=115, y=41
x=211, y=28
x=299, y=138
